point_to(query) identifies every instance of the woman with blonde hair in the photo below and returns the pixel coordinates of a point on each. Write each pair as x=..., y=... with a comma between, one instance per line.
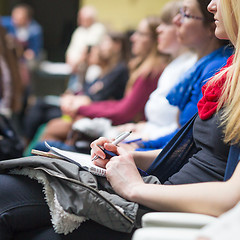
x=220, y=97
x=219, y=103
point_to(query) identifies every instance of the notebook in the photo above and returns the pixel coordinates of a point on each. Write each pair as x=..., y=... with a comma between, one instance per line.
x=82, y=160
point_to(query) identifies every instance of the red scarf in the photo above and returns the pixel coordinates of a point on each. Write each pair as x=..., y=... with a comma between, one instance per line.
x=208, y=104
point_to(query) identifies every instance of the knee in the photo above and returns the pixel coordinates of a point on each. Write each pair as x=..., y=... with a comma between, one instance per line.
x=17, y=190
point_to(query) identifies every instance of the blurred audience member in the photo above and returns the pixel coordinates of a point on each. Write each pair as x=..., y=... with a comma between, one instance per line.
x=111, y=57
x=88, y=33
x=212, y=53
x=10, y=80
x=145, y=70
x=26, y=30
x=26, y=35
x=161, y=117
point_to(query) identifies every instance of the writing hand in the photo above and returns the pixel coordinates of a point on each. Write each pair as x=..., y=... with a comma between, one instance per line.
x=102, y=159
x=123, y=174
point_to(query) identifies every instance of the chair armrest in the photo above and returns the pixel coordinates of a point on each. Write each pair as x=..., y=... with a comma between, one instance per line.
x=161, y=233
x=176, y=220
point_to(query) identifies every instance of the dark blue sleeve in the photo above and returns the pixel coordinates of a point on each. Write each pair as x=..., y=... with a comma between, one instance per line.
x=6, y=22
x=36, y=39
x=191, y=107
x=157, y=143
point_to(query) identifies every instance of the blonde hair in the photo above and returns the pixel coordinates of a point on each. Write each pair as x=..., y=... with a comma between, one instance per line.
x=170, y=10
x=230, y=98
x=153, y=62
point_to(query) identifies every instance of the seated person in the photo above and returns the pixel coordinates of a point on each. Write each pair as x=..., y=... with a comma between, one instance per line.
x=202, y=197
x=161, y=117
x=146, y=68
x=111, y=56
x=26, y=30
x=214, y=57
x=187, y=92
x=10, y=80
x=89, y=32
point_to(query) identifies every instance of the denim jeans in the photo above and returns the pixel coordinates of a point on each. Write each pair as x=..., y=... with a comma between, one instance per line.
x=24, y=214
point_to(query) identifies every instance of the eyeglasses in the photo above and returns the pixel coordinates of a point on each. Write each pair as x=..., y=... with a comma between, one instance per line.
x=185, y=15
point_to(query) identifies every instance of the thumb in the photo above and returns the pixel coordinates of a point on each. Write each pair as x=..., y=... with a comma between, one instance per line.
x=122, y=151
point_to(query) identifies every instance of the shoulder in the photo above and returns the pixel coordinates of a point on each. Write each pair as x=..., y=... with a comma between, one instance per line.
x=6, y=21
x=153, y=77
x=217, y=62
x=78, y=30
x=220, y=59
x=98, y=25
x=35, y=27
x=121, y=67
x=215, y=65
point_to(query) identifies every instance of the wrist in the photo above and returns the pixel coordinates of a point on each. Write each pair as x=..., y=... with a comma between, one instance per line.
x=135, y=192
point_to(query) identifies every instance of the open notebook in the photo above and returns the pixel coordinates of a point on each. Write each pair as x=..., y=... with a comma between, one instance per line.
x=82, y=160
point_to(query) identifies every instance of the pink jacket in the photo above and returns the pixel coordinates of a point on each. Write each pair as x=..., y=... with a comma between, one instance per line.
x=126, y=109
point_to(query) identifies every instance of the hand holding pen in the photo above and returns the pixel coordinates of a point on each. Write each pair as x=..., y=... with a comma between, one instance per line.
x=117, y=140
x=101, y=161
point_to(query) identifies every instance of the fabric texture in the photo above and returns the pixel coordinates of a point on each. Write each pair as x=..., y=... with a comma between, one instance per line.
x=175, y=154
x=161, y=117
x=190, y=90
x=208, y=104
x=75, y=195
x=178, y=151
x=209, y=162
x=233, y=160
x=180, y=94
x=129, y=107
x=110, y=86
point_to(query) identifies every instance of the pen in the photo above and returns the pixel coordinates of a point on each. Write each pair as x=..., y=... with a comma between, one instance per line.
x=142, y=173
x=121, y=137
x=133, y=140
x=118, y=139
x=111, y=154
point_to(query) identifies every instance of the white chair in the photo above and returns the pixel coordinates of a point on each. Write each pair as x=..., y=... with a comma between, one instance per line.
x=171, y=226
x=188, y=226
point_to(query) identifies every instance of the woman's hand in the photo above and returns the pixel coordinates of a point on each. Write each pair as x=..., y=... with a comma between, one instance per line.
x=71, y=103
x=123, y=174
x=65, y=102
x=96, y=151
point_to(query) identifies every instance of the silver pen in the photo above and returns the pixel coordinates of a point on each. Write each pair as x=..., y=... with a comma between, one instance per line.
x=117, y=140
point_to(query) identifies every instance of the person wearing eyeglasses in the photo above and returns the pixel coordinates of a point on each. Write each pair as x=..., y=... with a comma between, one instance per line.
x=195, y=30
x=26, y=210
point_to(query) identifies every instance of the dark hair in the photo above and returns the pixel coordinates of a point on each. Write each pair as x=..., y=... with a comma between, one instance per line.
x=153, y=22
x=123, y=39
x=170, y=10
x=208, y=17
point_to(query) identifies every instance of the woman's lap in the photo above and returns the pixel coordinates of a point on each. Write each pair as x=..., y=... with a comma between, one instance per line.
x=22, y=205
x=24, y=214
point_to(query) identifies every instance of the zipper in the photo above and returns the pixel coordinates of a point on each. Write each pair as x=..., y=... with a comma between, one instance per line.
x=49, y=172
